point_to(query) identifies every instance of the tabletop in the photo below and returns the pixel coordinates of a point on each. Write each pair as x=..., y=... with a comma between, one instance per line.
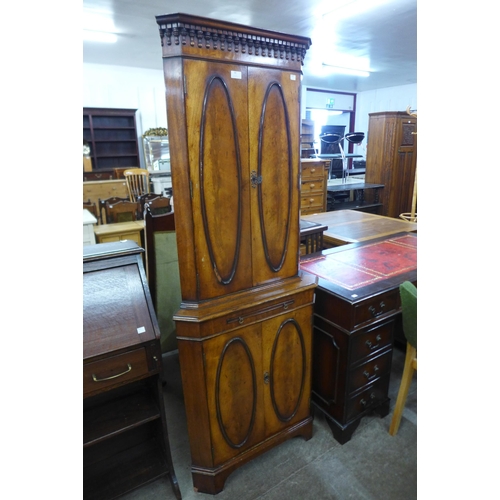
x=353, y=226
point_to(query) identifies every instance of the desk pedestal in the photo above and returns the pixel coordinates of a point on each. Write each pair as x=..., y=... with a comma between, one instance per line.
x=356, y=312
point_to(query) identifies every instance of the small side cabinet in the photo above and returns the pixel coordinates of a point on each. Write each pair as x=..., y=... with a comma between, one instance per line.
x=125, y=438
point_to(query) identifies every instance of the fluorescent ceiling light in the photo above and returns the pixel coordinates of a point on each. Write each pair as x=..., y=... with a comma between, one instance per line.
x=99, y=36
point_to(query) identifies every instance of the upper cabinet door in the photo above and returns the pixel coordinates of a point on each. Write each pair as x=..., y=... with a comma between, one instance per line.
x=217, y=134
x=274, y=158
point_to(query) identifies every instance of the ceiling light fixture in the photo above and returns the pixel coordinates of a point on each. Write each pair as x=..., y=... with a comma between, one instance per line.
x=99, y=36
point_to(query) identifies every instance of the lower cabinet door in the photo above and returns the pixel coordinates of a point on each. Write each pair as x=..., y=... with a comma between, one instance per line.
x=258, y=381
x=287, y=369
x=234, y=379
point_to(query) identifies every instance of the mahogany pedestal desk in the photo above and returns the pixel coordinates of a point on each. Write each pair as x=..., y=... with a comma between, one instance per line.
x=356, y=308
x=125, y=439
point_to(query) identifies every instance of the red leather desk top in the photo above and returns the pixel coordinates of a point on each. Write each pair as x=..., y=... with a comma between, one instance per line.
x=365, y=267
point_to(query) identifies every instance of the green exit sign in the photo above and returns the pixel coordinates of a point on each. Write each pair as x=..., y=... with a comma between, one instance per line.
x=330, y=102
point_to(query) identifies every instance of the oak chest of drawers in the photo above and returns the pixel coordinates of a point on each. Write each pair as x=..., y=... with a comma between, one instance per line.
x=314, y=179
x=125, y=439
x=356, y=309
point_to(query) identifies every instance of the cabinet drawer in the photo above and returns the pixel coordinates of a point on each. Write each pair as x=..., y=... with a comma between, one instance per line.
x=98, y=176
x=313, y=171
x=312, y=201
x=372, y=396
x=312, y=186
x=377, y=306
x=368, y=343
x=132, y=235
x=370, y=371
x=114, y=371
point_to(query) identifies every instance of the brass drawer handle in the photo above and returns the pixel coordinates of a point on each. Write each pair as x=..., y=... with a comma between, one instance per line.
x=95, y=379
x=378, y=338
x=371, y=377
x=365, y=403
x=376, y=313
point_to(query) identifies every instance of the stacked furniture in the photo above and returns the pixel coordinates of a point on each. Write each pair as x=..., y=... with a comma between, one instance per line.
x=102, y=190
x=125, y=438
x=244, y=326
x=391, y=159
x=314, y=181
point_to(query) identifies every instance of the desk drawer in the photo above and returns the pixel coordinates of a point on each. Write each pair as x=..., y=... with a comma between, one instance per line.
x=372, y=341
x=110, y=372
x=377, y=306
x=131, y=235
x=370, y=371
x=371, y=397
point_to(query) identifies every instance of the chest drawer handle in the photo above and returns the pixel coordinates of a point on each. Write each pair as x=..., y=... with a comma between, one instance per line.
x=378, y=338
x=95, y=379
x=374, y=311
x=371, y=377
x=365, y=403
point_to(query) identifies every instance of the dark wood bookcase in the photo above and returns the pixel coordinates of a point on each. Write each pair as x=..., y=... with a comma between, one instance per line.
x=112, y=136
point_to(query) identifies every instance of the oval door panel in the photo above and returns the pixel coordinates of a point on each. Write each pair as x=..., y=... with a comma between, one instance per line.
x=220, y=176
x=275, y=167
x=236, y=393
x=288, y=370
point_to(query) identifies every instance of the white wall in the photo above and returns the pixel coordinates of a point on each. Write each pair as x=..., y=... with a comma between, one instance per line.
x=126, y=87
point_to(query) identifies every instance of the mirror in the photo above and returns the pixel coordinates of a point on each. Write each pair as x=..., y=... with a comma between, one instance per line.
x=156, y=151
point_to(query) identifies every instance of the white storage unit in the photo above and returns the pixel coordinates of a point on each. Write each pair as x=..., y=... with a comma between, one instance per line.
x=88, y=228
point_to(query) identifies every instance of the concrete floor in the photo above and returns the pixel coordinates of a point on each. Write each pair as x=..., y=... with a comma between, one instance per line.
x=372, y=466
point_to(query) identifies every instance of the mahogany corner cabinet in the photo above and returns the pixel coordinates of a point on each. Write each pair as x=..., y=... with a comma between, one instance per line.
x=244, y=328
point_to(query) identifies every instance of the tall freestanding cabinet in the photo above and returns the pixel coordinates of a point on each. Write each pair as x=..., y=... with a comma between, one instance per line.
x=391, y=159
x=245, y=324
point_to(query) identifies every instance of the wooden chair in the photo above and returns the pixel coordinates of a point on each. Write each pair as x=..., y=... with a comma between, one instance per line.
x=408, y=293
x=137, y=182
x=122, y=211
x=92, y=208
x=103, y=207
x=143, y=199
x=159, y=206
x=162, y=268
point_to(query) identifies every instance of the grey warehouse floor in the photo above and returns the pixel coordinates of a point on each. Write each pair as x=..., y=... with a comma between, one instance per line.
x=372, y=466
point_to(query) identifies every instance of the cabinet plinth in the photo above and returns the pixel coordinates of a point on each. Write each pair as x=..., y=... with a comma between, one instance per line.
x=233, y=112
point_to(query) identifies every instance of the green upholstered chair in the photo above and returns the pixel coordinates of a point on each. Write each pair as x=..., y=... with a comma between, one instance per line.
x=408, y=294
x=162, y=269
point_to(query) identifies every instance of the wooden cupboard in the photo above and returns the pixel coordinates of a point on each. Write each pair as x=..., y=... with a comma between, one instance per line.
x=233, y=109
x=391, y=159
